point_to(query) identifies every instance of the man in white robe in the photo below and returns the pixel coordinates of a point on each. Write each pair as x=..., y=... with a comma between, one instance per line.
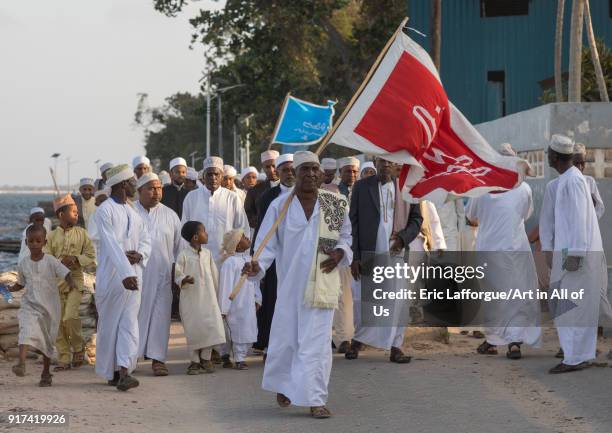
x=219, y=209
x=578, y=261
x=156, y=300
x=510, y=265
x=452, y=217
x=125, y=247
x=299, y=359
x=579, y=160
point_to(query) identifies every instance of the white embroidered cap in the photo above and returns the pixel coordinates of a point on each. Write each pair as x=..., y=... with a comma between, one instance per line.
x=304, y=156
x=229, y=171
x=269, y=155
x=146, y=178
x=562, y=144
x=328, y=164
x=178, y=161
x=285, y=157
x=349, y=160
x=141, y=160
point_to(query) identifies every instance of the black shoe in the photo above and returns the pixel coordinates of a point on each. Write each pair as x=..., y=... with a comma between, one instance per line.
x=115, y=380
x=127, y=382
x=344, y=347
x=227, y=363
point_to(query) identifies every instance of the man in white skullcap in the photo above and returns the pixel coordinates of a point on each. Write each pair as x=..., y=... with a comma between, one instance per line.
x=37, y=218
x=579, y=161
x=248, y=178
x=191, y=179
x=124, y=249
x=329, y=165
x=570, y=236
x=343, y=318
x=219, y=209
x=268, y=160
x=367, y=170
x=286, y=173
x=99, y=183
x=500, y=218
x=156, y=299
x=299, y=360
x=229, y=175
x=141, y=165
x=174, y=194
x=85, y=201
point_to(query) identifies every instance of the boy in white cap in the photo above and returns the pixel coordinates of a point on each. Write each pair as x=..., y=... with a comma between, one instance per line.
x=268, y=160
x=156, y=299
x=174, y=194
x=248, y=178
x=125, y=247
x=142, y=165
x=569, y=233
x=299, y=359
x=329, y=166
x=85, y=201
x=37, y=218
x=229, y=176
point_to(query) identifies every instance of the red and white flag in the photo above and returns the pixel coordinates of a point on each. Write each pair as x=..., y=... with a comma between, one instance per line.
x=403, y=114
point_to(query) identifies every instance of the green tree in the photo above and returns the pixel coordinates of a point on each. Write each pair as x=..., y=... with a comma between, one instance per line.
x=315, y=49
x=590, y=91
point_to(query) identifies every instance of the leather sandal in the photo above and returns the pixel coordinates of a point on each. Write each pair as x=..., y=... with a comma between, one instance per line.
x=45, y=380
x=398, y=356
x=320, y=412
x=514, y=354
x=486, y=349
x=159, y=368
x=564, y=368
x=282, y=400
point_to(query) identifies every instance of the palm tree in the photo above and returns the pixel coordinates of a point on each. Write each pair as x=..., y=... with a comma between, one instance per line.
x=575, y=73
x=559, y=50
x=601, y=82
x=436, y=33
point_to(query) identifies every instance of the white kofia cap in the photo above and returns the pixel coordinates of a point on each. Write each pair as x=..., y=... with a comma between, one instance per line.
x=580, y=148
x=119, y=174
x=562, y=144
x=178, y=161
x=268, y=155
x=247, y=170
x=141, y=160
x=349, y=160
x=105, y=167
x=213, y=161
x=146, y=178
x=304, y=156
x=367, y=164
x=86, y=181
x=36, y=210
x=285, y=157
x=328, y=164
x=229, y=171
x=192, y=174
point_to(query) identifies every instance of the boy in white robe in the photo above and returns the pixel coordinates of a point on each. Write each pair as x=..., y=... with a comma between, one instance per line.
x=40, y=312
x=196, y=275
x=239, y=313
x=37, y=218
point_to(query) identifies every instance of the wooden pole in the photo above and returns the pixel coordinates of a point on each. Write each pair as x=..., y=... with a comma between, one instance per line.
x=57, y=191
x=319, y=150
x=575, y=55
x=559, y=50
x=278, y=120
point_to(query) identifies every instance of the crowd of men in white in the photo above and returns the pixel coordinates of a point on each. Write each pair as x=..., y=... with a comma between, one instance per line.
x=190, y=232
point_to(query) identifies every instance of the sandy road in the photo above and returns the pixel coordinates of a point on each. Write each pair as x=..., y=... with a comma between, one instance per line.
x=445, y=388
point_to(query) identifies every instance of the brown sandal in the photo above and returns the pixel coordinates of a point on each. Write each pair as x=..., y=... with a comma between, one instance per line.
x=78, y=359
x=159, y=368
x=61, y=367
x=486, y=349
x=283, y=400
x=320, y=412
x=45, y=380
x=19, y=369
x=241, y=366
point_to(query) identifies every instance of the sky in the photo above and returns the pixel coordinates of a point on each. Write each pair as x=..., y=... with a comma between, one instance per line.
x=69, y=78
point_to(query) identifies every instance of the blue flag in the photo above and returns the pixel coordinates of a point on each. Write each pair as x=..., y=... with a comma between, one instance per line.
x=302, y=123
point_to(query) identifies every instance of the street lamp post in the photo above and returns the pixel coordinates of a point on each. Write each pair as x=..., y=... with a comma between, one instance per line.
x=55, y=156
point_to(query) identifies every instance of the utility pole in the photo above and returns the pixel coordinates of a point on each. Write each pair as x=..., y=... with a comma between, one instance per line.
x=248, y=141
x=235, y=148
x=207, y=115
x=220, y=127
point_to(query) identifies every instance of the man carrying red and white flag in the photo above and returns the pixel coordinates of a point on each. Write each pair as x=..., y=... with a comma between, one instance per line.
x=402, y=113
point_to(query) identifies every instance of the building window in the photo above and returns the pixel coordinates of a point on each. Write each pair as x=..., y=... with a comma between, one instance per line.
x=498, y=80
x=535, y=158
x=503, y=8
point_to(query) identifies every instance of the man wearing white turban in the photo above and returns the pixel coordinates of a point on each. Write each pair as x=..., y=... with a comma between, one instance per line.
x=141, y=165
x=219, y=209
x=174, y=194
x=85, y=201
x=570, y=236
x=268, y=161
x=156, y=300
x=299, y=359
x=125, y=247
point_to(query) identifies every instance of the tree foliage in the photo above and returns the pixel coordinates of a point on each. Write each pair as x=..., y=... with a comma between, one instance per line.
x=590, y=91
x=315, y=49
